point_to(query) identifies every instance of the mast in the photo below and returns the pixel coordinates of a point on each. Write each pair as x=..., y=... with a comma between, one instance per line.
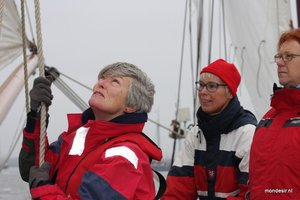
x=298, y=12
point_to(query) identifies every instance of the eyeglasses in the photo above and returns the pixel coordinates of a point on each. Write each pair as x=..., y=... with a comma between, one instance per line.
x=286, y=57
x=210, y=86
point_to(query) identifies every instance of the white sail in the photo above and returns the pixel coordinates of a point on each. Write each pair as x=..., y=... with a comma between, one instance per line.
x=254, y=28
x=10, y=32
x=11, y=88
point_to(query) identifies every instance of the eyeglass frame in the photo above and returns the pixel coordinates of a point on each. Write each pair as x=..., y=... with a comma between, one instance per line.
x=217, y=85
x=286, y=57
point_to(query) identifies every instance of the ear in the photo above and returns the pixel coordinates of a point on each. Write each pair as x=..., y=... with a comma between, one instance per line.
x=229, y=95
x=129, y=110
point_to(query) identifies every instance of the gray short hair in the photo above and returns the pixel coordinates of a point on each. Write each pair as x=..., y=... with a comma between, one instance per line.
x=141, y=91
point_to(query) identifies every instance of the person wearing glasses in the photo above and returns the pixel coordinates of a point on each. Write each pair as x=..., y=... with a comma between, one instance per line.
x=213, y=163
x=275, y=151
x=103, y=154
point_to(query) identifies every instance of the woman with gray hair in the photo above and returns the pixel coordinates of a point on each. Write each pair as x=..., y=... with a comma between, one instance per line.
x=104, y=154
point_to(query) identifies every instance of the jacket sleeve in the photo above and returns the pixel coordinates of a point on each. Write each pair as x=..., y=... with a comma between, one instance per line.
x=30, y=144
x=180, y=179
x=243, y=153
x=29, y=154
x=49, y=192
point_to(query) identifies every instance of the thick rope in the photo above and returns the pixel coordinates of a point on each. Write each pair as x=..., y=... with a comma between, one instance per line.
x=25, y=58
x=42, y=74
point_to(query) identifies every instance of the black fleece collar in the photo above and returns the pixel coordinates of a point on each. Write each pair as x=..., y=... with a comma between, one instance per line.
x=127, y=118
x=232, y=117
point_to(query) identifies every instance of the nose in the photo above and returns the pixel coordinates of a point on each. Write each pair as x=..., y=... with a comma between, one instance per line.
x=101, y=82
x=204, y=91
x=280, y=62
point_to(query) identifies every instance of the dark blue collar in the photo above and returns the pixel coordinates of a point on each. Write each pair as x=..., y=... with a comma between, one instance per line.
x=131, y=118
x=127, y=118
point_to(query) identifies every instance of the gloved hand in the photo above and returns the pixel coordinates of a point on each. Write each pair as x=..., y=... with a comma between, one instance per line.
x=39, y=176
x=41, y=92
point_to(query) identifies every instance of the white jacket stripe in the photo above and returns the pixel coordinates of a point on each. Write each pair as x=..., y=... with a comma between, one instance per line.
x=219, y=194
x=123, y=151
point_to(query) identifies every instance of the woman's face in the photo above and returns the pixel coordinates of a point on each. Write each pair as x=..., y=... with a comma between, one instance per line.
x=109, y=97
x=215, y=102
x=289, y=69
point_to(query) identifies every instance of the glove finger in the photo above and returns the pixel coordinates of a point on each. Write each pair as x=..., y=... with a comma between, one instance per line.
x=45, y=98
x=42, y=80
x=38, y=175
x=50, y=78
x=43, y=88
x=33, y=169
x=40, y=93
x=45, y=167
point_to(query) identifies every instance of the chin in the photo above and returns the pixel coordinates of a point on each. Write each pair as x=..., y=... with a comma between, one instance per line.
x=92, y=102
x=284, y=84
x=206, y=110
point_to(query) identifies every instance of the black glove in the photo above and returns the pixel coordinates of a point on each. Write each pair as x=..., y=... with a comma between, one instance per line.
x=39, y=176
x=41, y=92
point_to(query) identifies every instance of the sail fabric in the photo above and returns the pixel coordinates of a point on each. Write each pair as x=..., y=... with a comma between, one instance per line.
x=254, y=28
x=12, y=86
x=10, y=33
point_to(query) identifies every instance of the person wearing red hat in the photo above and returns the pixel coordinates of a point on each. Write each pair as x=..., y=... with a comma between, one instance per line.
x=213, y=164
x=275, y=152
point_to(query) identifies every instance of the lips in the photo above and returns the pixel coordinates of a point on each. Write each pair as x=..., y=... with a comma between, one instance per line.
x=98, y=93
x=203, y=101
x=281, y=73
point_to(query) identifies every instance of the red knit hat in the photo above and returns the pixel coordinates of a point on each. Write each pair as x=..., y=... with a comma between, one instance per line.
x=227, y=72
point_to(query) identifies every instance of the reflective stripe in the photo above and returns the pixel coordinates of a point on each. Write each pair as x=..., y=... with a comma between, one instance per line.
x=79, y=141
x=202, y=193
x=123, y=151
x=225, y=195
x=219, y=194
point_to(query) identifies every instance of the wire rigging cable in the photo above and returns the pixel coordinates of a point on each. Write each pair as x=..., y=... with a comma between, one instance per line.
x=192, y=59
x=66, y=90
x=180, y=75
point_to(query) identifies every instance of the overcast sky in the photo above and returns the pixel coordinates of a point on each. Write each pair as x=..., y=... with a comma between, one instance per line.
x=81, y=37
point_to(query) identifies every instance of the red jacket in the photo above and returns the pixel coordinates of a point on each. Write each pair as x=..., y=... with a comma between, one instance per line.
x=121, y=170
x=213, y=163
x=275, y=151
